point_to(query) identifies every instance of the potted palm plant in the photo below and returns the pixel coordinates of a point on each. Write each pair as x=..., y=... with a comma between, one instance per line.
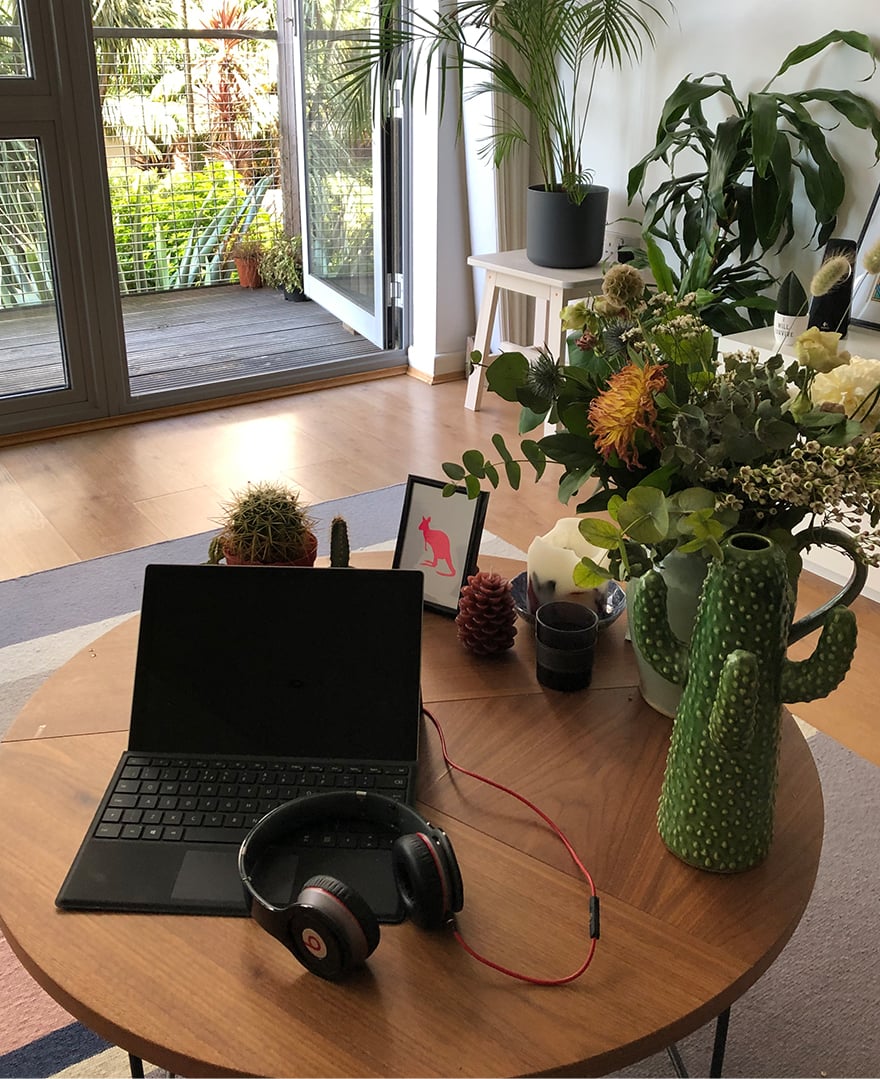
x=266, y=524
x=537, y=58
x=281, y=265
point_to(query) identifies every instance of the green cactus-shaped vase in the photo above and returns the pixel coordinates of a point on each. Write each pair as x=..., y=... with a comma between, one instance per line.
x=718, y=795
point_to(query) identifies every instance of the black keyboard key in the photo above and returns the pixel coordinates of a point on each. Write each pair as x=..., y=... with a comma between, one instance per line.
x=389, y=782
x=124, y=801
x=153, y=832
x=111, y=815
x=106, y=830
x=131, y=831
x=172, y=834
x=215, y=835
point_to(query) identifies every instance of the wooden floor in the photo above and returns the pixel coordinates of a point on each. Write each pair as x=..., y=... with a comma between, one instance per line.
x=189, y=337
x=88, y=494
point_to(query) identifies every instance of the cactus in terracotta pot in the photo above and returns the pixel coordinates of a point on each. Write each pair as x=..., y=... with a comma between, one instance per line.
x=719, y=789
x=266, y=524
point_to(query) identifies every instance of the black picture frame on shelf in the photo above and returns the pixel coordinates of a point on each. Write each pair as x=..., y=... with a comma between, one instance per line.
x=440, y=535
x=866, y=286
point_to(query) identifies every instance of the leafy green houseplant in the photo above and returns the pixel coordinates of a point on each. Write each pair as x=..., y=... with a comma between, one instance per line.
x=281, y=264
x=729, y=198
x=537, y=61
x=265, y=524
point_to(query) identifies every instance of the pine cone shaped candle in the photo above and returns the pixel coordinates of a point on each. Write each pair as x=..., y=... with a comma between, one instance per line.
x=486, y=616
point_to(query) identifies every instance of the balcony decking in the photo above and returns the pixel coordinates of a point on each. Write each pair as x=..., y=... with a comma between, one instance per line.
x=188, y=338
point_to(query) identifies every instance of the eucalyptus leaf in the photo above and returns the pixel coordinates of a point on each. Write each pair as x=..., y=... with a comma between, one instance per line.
x=589, y=574
x=599, y=532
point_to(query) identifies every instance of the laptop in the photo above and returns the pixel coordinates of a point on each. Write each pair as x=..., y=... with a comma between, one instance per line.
x=255, y=686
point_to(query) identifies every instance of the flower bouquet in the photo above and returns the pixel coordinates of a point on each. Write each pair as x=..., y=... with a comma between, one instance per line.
x=678, y=445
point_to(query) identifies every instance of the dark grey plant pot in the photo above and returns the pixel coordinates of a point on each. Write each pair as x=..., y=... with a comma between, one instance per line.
x=295, y=294
x=563, y=233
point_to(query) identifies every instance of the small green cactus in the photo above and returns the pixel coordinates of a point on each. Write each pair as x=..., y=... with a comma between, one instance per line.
x=265, y=524
x=718, y=796
x=339, y=545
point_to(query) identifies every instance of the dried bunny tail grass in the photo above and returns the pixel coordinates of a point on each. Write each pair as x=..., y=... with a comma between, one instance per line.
x=832, y=271
x=871, y=258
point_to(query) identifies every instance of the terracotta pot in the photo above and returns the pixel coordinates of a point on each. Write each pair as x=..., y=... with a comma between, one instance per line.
x=249, y=273
x=308, y=559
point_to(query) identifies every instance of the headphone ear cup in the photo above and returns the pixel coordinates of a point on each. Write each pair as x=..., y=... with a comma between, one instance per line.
x=421, y=880
x=332, y=928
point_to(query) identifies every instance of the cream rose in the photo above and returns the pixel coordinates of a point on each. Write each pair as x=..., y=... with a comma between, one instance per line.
x=851, y=385
x=817, y=349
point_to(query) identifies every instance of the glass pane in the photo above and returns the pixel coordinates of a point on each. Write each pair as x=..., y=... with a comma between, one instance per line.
x=339, y=155
x=31, y=354
x=13, y=58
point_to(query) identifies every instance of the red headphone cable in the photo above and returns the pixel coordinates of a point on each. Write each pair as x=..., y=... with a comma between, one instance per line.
x=594, y=899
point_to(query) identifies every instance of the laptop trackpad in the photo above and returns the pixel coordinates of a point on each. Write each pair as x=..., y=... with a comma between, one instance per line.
x=208, y=874
x=282, y=871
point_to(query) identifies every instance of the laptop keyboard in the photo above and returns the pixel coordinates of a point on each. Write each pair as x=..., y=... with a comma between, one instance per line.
x=166, y=799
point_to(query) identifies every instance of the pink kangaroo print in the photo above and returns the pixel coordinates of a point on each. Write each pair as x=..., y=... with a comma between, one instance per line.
x=439, y=543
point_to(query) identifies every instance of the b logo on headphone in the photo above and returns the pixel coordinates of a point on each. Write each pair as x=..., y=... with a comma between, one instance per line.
x=329, y=927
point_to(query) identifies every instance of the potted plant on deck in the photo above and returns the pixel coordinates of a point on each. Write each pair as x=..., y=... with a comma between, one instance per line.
x=281, y=265
x=536, y=59
x=266, y=524
x=247, y=253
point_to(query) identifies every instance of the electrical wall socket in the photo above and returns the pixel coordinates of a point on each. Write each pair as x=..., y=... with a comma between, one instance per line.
x=613, y=241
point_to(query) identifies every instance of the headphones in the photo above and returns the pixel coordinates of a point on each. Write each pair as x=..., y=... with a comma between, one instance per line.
x=329, y=927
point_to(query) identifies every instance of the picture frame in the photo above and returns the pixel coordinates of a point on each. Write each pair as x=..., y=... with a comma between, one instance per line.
x=440, y=535
x=865, y=308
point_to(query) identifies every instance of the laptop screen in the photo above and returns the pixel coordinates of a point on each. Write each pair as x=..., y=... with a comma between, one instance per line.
x=267, y=661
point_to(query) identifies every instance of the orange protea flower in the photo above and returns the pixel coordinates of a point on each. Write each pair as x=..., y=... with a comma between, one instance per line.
x=626, y=407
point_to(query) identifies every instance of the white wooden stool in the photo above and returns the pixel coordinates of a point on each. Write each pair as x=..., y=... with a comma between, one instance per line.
x=552, y=289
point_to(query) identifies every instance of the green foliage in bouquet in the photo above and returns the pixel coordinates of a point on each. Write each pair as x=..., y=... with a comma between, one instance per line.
x=678, y=445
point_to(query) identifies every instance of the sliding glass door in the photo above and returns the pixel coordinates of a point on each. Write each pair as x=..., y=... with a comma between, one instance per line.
x=47, y=333
x=348, y=166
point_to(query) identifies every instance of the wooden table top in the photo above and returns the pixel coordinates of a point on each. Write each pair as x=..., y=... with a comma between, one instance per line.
x=217, y=996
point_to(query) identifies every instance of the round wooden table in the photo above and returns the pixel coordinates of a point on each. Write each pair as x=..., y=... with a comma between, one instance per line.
x=217, y=996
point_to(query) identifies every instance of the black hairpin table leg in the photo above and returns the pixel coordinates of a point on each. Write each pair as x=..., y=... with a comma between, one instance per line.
x=718, y=1047
x=721, y=1025
x=135, y=1066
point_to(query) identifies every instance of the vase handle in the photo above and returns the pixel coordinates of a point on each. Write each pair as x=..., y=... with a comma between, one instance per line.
x=843, y=541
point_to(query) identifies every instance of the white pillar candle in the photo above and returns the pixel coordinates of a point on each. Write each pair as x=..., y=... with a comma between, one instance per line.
x=551, y=561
